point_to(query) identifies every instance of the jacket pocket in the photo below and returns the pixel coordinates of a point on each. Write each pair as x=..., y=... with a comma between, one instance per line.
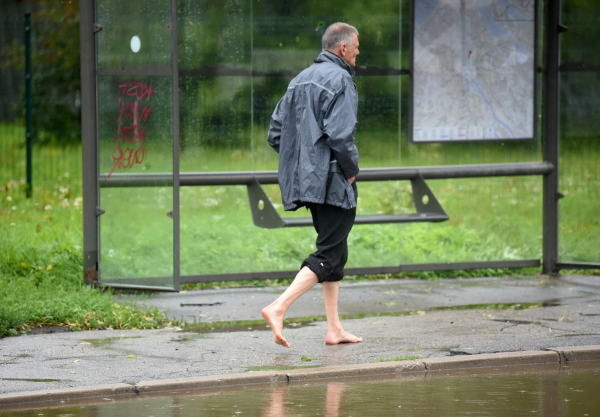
x=340, y=192
x=350, y=196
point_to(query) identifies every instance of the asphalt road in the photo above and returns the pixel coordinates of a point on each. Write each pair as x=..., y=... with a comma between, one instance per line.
x=552, y=313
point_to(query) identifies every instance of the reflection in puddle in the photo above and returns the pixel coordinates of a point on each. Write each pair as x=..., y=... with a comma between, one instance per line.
x=510, y=391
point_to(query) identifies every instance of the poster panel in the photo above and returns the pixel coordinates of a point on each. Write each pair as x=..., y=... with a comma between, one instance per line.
x=473, y=70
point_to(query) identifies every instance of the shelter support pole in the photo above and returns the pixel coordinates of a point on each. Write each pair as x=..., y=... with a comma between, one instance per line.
x=550, y=132
x=28, y=106
x=89, y=145
x=176, y=205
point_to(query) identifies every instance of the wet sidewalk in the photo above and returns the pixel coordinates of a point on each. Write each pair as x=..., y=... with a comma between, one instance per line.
x=397, y=318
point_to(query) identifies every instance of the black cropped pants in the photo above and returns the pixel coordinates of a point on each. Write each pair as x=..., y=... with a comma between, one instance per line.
x=333, y=225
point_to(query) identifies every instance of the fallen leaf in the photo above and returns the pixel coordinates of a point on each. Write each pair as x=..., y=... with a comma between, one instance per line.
x=130, y=356
x=49, y=267
x=391, y=303
x=306, y=359
x=77, y=360
x=421, y=313
x=85, y=343
x=564, y=319
x=73, y=372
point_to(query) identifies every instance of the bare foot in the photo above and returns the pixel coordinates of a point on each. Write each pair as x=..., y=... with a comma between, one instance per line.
x=275, y=320
x=333, y=338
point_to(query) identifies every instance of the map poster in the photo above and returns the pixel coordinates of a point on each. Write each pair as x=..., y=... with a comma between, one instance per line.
x=473, y=70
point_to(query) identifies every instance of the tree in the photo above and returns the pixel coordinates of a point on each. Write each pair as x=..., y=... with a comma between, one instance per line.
x=56, y=70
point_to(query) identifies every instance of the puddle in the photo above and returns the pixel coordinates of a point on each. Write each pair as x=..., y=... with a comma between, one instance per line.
x=107, y=341
x=506, y=391
x=31, y=380
x=291, y=323
x=279, y=368
x=243, y=325
x=501, y=306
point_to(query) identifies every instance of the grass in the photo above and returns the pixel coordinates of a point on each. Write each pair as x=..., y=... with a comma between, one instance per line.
x=41, y=237
x=41, y=268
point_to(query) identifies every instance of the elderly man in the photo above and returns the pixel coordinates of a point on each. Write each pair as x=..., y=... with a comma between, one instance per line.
x=312, y=129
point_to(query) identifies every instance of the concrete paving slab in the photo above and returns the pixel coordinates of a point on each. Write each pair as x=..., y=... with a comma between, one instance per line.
x=83, y=359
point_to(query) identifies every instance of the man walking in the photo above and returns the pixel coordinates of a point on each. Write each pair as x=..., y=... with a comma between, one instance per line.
x=313, y=129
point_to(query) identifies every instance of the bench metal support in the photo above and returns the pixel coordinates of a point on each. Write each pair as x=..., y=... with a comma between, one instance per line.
x=428, y=209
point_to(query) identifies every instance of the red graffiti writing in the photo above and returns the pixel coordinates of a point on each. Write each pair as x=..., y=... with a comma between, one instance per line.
x=128, y=157
x=135, y=89
x=130, y=130
x=131, y=112
x=131, y=134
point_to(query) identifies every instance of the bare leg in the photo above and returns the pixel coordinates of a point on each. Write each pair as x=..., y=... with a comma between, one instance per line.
x=335, y=332
x=274, y=313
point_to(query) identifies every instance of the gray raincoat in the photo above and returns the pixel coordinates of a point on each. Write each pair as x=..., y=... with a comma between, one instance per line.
x=313, y=129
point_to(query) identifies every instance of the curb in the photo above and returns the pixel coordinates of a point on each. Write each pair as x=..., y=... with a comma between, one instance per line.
x=558, y=356
x=67, y=394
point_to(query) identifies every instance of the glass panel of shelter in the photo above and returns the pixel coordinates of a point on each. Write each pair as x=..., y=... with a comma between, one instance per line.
x=135, y=137
x=579, y=171
x=236, y=60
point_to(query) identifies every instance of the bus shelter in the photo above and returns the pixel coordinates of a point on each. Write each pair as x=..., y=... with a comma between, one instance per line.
x=180, y=185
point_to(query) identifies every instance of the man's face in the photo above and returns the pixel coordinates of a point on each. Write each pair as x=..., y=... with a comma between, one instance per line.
x=349, y=52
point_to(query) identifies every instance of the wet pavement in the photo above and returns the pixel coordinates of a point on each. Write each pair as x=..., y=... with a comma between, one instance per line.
x=397, y=318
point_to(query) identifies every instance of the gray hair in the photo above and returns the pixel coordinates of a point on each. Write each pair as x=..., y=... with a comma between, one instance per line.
x=337, y=34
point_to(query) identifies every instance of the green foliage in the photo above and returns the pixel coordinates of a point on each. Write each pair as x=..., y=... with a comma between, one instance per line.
x=56, y=71
x=41, y=268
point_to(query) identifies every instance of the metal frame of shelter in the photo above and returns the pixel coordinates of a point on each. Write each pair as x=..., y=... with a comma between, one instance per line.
x=264, y=215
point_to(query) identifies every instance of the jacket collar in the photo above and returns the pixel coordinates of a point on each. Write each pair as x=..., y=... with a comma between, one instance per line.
x=327, y=56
